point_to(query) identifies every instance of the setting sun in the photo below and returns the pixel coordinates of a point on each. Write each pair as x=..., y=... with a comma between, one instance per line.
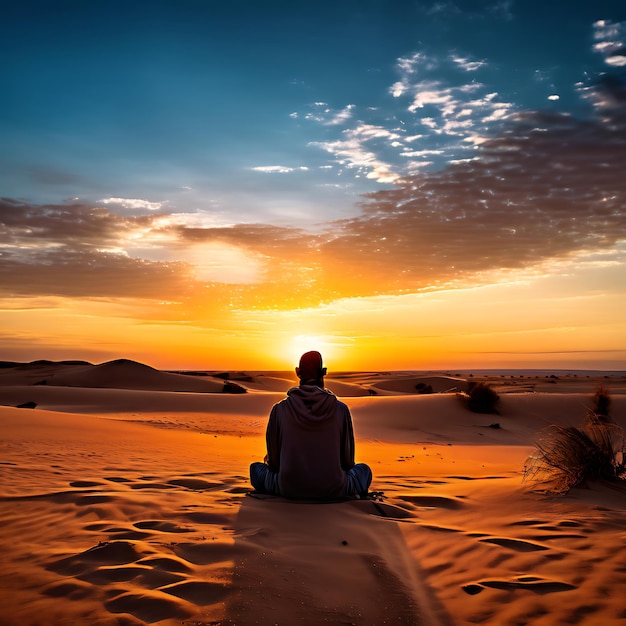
x=304, y=343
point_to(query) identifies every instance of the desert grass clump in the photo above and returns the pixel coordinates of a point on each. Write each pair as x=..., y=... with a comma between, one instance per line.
x=423, y=388
x=482, y=398
x=602, y=405
x=568, y=456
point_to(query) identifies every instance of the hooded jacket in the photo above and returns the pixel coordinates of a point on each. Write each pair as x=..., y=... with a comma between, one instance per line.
x=310, y=443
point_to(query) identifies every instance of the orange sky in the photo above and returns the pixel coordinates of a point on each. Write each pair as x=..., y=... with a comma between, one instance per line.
x=470, y=267
x=571, y=317
x=212, y=188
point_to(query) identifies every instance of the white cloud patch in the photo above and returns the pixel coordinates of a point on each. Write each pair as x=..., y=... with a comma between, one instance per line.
x=409, y=67
x=278, y=169
x=353, y=151
x=458, y=109
x=467, y=64
x=610, y=42
x=443, y=108
x=134, y=203
x=322, y=113
x=445, y=115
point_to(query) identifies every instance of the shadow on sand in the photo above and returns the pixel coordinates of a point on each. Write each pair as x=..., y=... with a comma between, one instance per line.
x=338, y=563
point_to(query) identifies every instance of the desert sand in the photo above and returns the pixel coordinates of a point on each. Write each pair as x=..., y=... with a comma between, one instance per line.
x=124, y=499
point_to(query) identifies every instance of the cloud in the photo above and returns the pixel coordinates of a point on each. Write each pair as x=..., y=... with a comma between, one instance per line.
x=79, y=251
x=134, y=203
x=610, y=40
x=435, y=102
x=278, y=169
x=607, y=94
x=89, y=274
x=354, y=151
x=453, y=110
x=467, y=64
x=546, y=189
x=445, y=8
x=327, y=116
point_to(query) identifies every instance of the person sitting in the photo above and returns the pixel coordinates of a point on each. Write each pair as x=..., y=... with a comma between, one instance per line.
x=310, y=443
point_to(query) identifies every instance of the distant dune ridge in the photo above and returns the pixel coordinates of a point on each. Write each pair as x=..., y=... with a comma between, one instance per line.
x=118, y=374
x=124, y=500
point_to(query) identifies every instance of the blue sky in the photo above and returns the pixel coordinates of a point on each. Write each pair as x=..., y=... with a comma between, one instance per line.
x=203, y=159
x=271, y=111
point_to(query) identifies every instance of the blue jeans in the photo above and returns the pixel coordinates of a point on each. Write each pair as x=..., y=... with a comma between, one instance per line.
x=265, y=481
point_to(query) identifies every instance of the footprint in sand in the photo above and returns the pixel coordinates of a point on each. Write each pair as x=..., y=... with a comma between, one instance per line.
x=439, y=502
x=555, y=530
x=118, y=533
x=151, y=485
x=109, y=553
x=194, y=484
x=529, y=583
x=519, y=545
x=162, y=526
x=86, y=483
x=118, y=479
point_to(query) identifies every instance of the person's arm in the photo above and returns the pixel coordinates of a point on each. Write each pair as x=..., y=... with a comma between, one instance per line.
x=347, y=443
x=272, y=441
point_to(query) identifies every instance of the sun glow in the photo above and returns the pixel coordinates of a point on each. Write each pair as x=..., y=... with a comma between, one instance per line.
x=300, y=344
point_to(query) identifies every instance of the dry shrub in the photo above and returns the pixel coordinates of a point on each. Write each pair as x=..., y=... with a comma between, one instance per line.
x=568, y=456
x=602, y=404
x=482, y=398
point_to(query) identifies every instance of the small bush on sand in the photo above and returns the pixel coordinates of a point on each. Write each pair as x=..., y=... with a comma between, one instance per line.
x=568, y=456
x=602, y=404
x=482, y=398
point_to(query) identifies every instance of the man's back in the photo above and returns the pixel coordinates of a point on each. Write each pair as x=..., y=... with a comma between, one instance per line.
x=310, y=443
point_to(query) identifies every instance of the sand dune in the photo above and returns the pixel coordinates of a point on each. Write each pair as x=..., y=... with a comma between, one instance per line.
x=423, y=384
x=130, y=506
x=119, y=374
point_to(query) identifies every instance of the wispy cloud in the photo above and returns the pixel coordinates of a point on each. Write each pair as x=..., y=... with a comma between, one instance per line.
x=610, y=38
x=607, y=94
x=548, y=188
x=353, y=150
x=445, y=8
x=467, y=64
x=278, y=169
x=327, y=116
x=442, y=117
x=134, y=203
x=457, y=111
x=512, y=189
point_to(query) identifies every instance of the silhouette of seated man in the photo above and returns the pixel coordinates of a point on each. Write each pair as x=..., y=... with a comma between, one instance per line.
x=310, y=443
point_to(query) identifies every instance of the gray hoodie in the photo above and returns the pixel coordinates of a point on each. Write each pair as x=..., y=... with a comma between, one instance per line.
x=310, y=443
